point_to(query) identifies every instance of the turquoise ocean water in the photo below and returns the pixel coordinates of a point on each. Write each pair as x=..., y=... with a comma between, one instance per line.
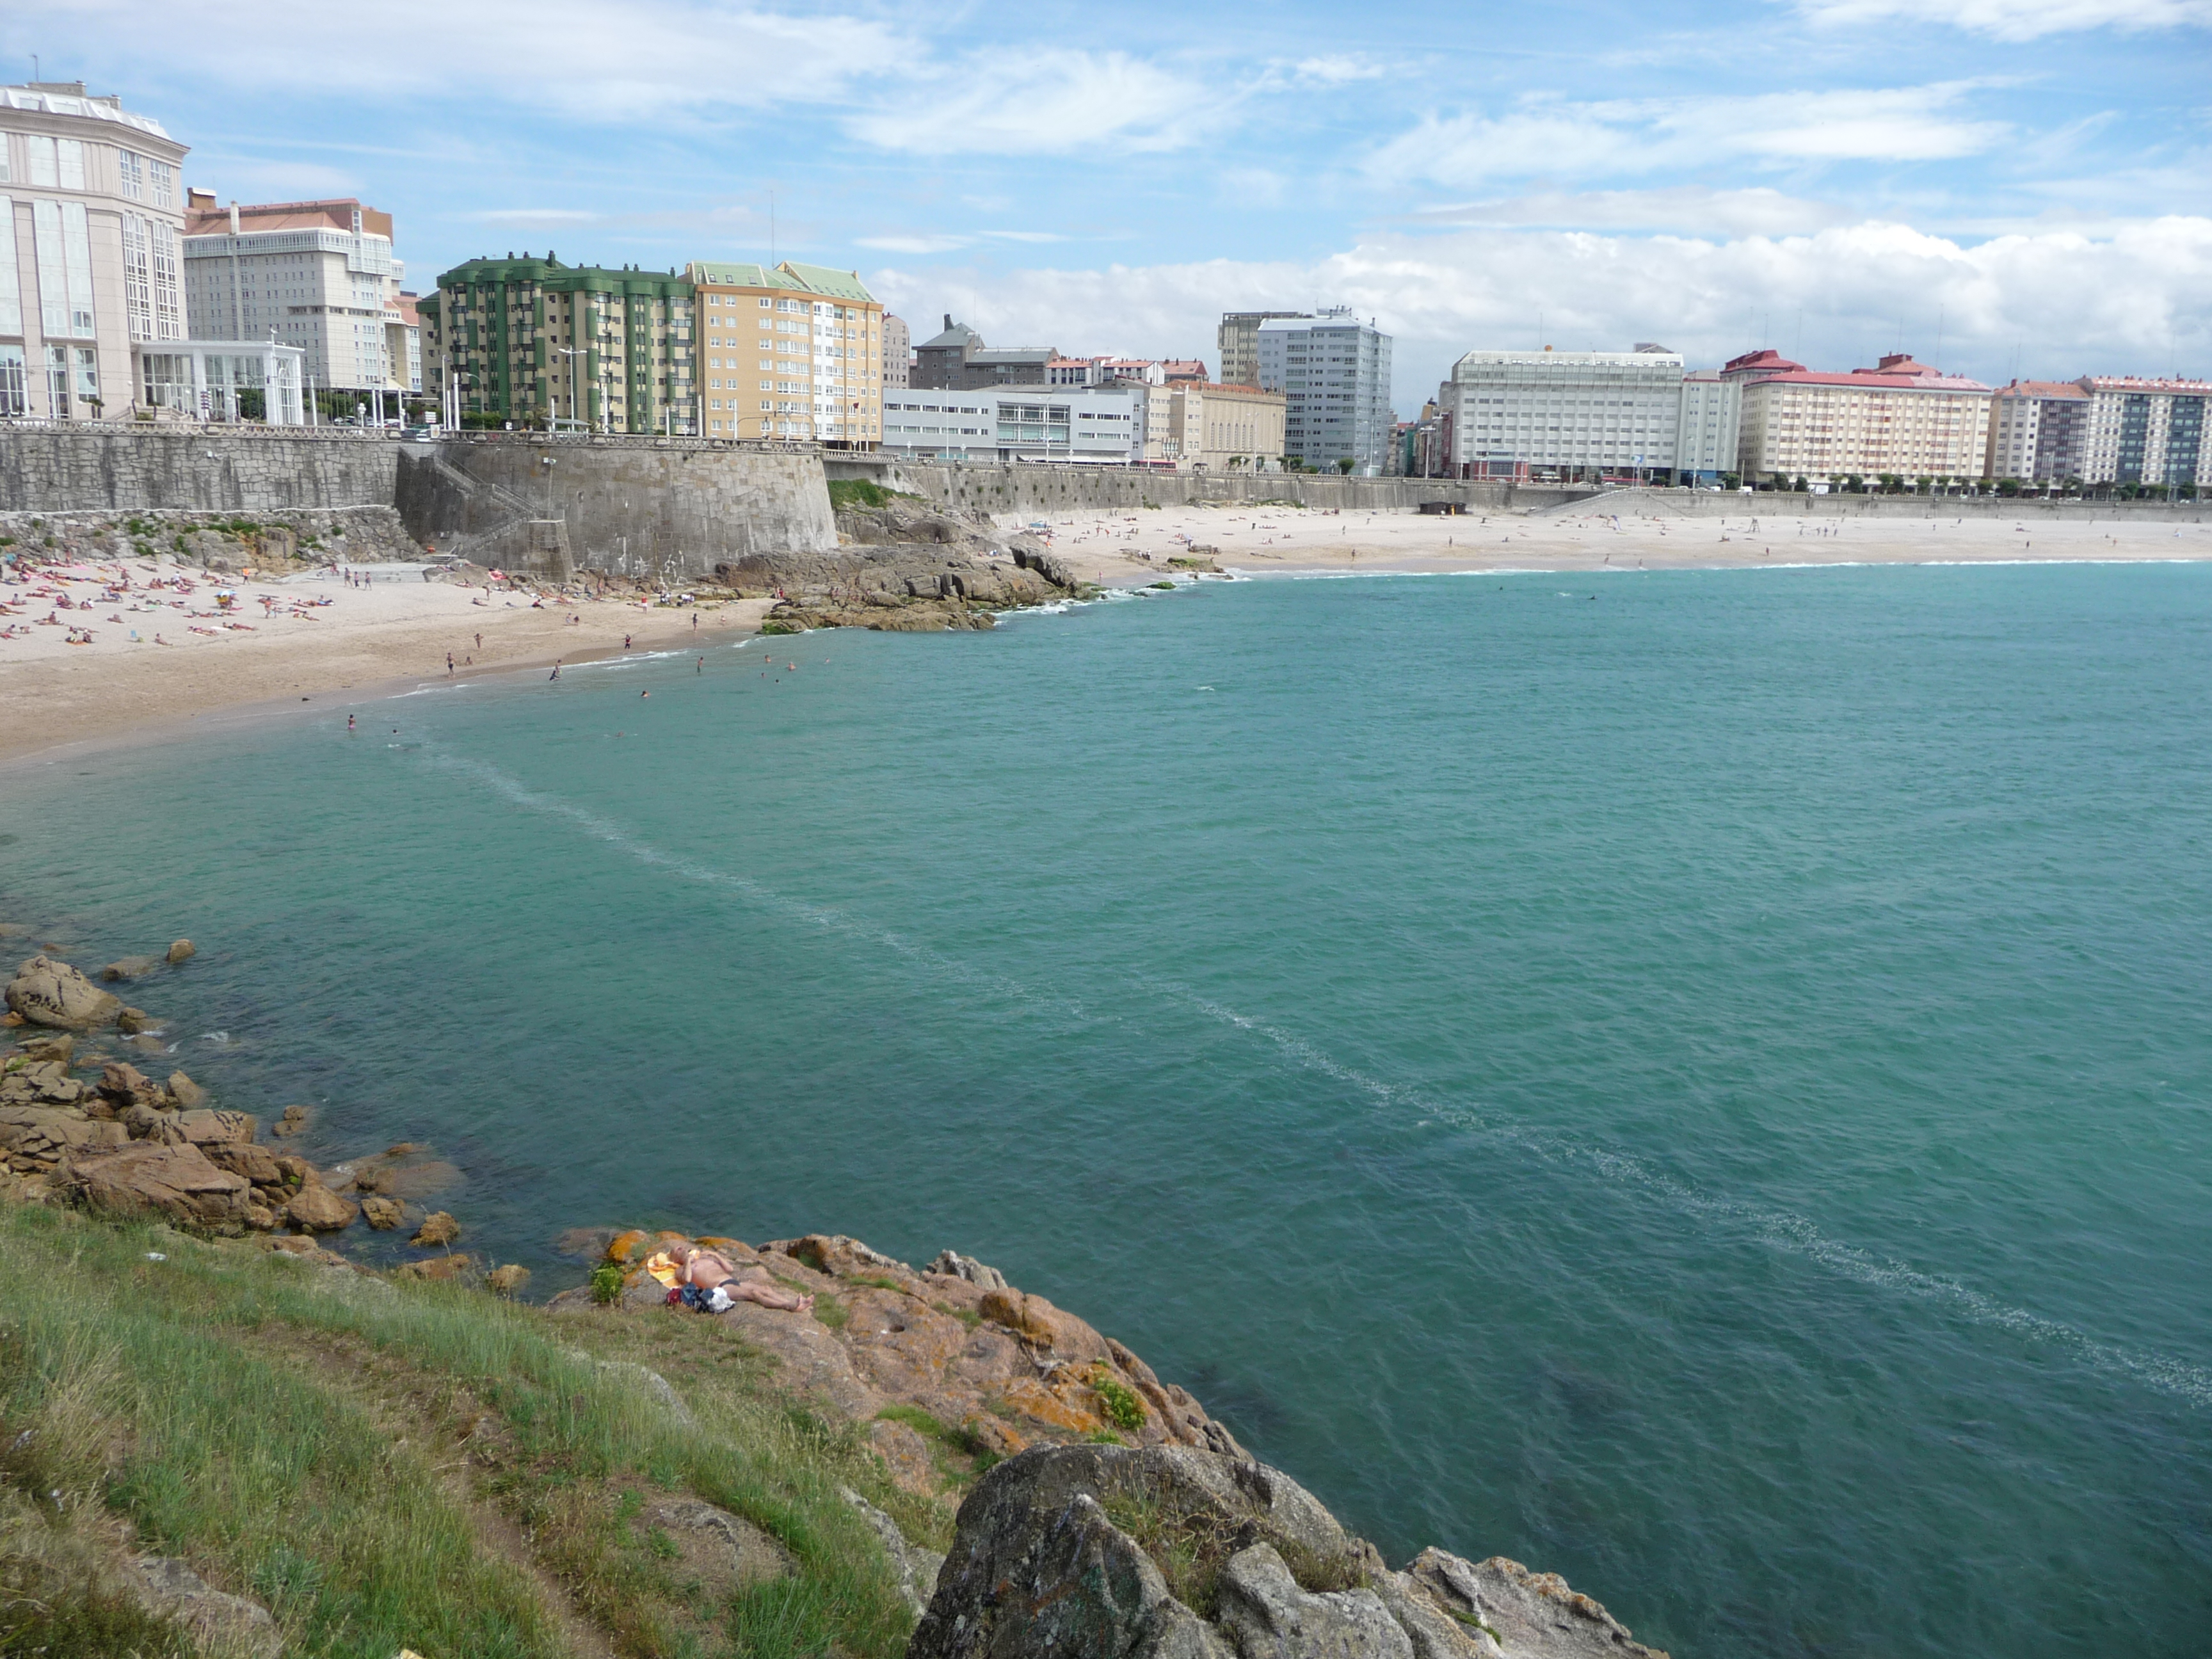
x=1697, y=1081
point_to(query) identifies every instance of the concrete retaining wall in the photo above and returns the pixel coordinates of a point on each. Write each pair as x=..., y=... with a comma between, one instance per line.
x=630, y=507
x=1104, y=488
x=85, y=469
x=1792, y=504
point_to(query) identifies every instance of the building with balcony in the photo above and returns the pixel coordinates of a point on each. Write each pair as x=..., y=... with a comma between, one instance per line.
x=791, y=351
x=533, y=340
x=1900, y=418
x=1237, y=340
x=2038, y=432
x=91, y=223
x=2145, y=431
x=320, y=276
x=1566, y=414
x=898, y=352
x=1333, y=372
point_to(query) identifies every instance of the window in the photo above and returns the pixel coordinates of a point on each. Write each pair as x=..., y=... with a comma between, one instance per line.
x=70, y=160
x=11, y=303
x=57, y=398
x=15, y=382
x=130, y=170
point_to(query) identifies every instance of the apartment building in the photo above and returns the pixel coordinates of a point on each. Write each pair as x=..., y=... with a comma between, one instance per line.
x=2145, y=431
x=957, y=359
x=898, y=352
x=789, y=351
x=1237, y=343
x=533, y=339
x=1707, y=431
x=320, y=276
x=1569, y=413
x=1103, y=425
x=2038, y=432
x=1197, y=424
x=91, y=220
x=1900, y=418
x=1333, y=372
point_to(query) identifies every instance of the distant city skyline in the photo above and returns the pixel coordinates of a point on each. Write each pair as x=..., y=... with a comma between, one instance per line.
x=2016, y=189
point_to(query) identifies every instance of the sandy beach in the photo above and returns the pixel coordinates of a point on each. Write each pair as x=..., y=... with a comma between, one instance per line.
x=1114, y=549
x=148, y=655
x=173, y=655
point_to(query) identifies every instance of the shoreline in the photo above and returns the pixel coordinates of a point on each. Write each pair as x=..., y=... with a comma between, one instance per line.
x=362, y=645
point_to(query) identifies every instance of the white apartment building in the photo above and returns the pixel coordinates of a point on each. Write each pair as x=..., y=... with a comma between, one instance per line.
x=320, y=276
x=1333, y=372
x=91, y=216
x=2145, y=431
x=1705, y=434
x=1103, y=425
x=1561, y=414
x=2038, y=430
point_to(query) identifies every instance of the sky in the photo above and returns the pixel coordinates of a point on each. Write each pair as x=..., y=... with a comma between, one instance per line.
x=2011, y=188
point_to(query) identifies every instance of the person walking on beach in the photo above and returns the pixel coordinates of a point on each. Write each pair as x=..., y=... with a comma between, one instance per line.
x=701, y=668
x=556, y=674
x=449, y=664
x=625, y=641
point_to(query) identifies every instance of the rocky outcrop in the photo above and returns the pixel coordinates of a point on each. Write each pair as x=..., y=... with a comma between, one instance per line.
x=1172, y=1552
x=968, y=1368
x=217, y=1622
x=46, y=991
x=906, y=566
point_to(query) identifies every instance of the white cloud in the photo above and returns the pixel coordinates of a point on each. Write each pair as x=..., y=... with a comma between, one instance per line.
x=2019, y=19
x=2135, y=299
x=1336, y=69
x=601, y=60
x=1103, y=104
x=1693, y=208
x=1542, y=138
x=922, y=244
x=534, y=218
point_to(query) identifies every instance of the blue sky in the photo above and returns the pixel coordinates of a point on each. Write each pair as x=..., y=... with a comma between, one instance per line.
x=2019, y=186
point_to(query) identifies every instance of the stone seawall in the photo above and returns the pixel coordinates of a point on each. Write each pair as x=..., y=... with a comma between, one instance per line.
x=56, y=470
x=1010, y=488
x=1799, y=504
x=659, y=510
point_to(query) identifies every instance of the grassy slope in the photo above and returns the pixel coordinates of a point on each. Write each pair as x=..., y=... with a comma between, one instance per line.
x=388, y=1466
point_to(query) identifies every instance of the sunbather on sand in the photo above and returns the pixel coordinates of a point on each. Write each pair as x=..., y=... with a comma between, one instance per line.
x=709, y=1270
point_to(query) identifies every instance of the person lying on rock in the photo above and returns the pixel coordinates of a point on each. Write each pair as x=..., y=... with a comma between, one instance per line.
x=710, y=1271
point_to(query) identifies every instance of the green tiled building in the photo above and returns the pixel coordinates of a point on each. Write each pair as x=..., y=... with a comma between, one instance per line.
x=534, y=340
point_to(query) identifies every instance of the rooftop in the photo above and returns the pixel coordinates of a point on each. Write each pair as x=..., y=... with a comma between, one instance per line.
x=203, y=219
x=69, y=98
x=786, y=277
x=2042, y=389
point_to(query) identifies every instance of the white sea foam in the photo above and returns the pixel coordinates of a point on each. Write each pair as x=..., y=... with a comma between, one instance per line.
x=1778, y=1229
x=825, y=916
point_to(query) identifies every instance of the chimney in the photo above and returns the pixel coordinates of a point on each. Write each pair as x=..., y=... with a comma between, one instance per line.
x=948, y=321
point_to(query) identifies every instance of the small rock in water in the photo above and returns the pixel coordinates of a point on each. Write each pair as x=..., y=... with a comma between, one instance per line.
x=294, y=1120
x=318, y=1209
x=134, y=1022
x=180, y=950
x=129, y=967
x=439, y=1228
x=438, y=1267
x=381, y=1213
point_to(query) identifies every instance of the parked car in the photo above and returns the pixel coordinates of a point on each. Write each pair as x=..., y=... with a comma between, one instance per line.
x=421, y=435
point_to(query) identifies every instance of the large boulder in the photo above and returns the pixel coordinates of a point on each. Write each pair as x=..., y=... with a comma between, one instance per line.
x=216, y=1622
x=142, y=1176
x=1111, y=1553
x=46, y=991
x=316, y=1209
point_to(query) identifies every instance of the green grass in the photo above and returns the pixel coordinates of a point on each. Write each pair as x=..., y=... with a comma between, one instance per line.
x=846, y=493
x=1124, y=1406
x=346, y=1452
